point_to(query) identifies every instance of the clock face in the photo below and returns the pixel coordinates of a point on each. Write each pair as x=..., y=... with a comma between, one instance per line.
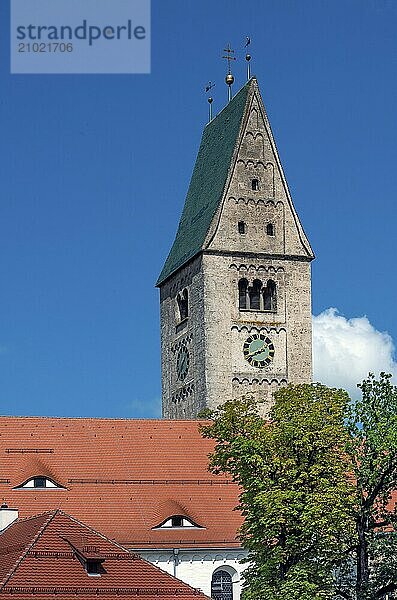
x=182, y=363
x=258, y=350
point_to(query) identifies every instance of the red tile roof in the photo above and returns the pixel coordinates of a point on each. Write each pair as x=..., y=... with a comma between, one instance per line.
x=38, y=559
x=122, y=477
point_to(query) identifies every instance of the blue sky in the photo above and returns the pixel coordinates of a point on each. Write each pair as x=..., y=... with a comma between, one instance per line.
x=94, y=171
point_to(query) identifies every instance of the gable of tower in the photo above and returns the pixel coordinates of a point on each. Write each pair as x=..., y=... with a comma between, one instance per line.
x=256, y=213
x=237, y=149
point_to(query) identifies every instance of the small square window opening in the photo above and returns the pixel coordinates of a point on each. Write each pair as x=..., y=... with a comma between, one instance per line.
x=270, y=229
x=93, y=567
x=39, y=482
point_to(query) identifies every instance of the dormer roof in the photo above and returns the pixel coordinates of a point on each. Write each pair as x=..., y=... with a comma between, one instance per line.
x=41, y=558
x=124, y=477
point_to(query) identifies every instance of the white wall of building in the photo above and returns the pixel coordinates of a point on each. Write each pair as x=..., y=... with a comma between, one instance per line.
x=196, y=567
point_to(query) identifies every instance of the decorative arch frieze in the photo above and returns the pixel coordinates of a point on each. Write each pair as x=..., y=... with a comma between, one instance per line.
x=257, y=201
x=183, y=280
x=250, y=381
x=253, y=121
x=252, y=137
x=256, y=268
x=263, y=170
x=260, y=329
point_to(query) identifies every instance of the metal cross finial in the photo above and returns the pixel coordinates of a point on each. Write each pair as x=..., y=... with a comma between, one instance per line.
x=229, y=77
x=229, y=57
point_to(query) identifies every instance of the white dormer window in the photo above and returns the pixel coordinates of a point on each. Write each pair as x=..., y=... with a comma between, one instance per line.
x=39, y=482
x=177, y=522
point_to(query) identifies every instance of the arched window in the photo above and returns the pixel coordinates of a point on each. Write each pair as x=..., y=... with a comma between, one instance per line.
x=270, y=229
x=269, y=296
x=183, y=305
x=255, y=295
x=221, y=586
x=177, y=521
x=243, y=299
x=40, y=481
x=241, y=227
x=255, y=185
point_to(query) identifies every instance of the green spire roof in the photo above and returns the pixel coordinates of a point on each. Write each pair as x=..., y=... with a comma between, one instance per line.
x=207, y=183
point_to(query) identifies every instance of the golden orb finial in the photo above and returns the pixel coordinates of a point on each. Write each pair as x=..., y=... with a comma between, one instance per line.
x=229, y=79
x=210, y=99
x=248, y=57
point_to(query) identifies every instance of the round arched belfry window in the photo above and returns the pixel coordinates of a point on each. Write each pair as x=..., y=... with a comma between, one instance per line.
x=221, y=586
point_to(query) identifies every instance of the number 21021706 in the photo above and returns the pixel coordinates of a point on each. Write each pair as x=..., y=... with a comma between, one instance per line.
x=42, y=47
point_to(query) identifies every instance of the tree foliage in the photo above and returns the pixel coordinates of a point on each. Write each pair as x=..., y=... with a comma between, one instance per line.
x=317, y=477
x=296, y=495
x=372, y=447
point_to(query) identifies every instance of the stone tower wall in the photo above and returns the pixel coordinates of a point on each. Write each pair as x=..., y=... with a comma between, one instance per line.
x=240, y=246
x=183, y=398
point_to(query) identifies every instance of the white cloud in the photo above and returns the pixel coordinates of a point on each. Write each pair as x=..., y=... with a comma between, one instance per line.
x=346, y=350
x=144, y=409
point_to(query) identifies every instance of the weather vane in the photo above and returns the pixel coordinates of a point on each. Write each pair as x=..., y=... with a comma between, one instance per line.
x=229, y=77
x=208, y=88
x=248, y=58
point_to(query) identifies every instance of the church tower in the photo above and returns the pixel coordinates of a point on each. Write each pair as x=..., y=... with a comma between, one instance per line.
x=235, y=290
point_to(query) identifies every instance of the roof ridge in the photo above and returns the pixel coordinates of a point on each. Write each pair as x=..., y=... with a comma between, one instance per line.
x=60, y=513
x=129, y=419
x=51, y=515
x=92, y=530
x=31, y=517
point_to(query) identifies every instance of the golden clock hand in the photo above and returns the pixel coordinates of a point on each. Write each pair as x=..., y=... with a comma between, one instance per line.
x=258, y=351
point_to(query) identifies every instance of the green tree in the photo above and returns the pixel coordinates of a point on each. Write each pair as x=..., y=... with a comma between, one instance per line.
x=296, y=498
x=372, y=447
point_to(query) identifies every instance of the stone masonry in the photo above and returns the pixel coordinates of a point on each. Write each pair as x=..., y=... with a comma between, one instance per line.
x=240, y=246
